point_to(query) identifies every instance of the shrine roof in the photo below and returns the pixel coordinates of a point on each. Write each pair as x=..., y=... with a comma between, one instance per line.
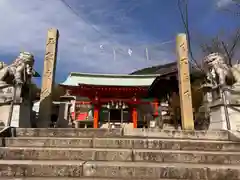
x=76, y=79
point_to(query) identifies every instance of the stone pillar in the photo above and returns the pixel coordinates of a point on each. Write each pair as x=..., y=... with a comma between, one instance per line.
x=157, y=114
x=184, y=83
x=48, y=78
x=63, y=115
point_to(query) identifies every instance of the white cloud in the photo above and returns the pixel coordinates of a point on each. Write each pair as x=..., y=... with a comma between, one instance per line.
x=24, y=26
x=223, y=3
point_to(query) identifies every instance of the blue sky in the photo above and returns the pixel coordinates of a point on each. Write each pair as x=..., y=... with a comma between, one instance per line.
x=87, y=40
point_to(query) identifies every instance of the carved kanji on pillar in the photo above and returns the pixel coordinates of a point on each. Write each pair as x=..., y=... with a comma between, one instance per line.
x=184, y=83
x=48, y=78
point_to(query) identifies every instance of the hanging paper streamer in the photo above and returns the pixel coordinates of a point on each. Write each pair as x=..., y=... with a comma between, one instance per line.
x=130, y=52
x=147, y=56
x=114, y=54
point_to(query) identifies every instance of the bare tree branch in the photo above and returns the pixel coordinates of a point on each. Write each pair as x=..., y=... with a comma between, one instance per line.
x=226, y=46
x=185, y=21
x=233, y=8
x=229, y=61
x=236, y=40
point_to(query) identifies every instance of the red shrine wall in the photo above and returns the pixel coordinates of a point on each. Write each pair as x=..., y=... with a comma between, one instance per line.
x=92, y=107
x=84, y=110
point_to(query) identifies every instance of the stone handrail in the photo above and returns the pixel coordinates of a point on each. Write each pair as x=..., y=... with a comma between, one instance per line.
x=5, y=132
x=231, y=90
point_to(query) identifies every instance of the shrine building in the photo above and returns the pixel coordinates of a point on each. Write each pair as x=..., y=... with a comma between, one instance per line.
x=116, y=99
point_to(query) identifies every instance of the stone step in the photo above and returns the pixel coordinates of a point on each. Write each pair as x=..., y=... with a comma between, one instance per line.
x=27, y=168
x=73, y=132
x=135, y=143
x=80, y=178
x=178, y=134
x=65, y=132
x=127, y=155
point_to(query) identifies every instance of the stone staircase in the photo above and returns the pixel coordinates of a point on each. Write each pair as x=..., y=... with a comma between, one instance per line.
x=102, y=154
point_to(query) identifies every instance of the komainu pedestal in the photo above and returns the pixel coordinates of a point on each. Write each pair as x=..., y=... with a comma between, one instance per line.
x=221, y=114
x=21, y=115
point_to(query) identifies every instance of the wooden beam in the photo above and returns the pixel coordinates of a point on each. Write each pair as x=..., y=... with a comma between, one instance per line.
x=184, y=83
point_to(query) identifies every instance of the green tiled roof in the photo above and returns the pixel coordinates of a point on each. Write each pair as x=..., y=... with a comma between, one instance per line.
x=75, y=79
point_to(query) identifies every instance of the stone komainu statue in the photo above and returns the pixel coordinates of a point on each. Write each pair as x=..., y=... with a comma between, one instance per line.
x=18, y=71
x=219, y=72
x=18, y=74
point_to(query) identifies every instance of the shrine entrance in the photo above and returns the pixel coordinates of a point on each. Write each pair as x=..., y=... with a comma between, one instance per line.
x=113, y=100
x=119, y=117
x=115, y=115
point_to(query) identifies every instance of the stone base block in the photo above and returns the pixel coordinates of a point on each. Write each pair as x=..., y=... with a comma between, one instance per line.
x=4, y=113
x=21, y=115
x=218, y=118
